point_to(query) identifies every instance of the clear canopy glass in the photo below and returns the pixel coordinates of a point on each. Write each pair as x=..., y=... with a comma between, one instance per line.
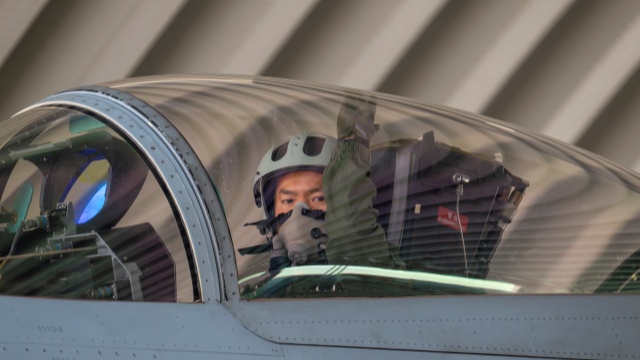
x=83, y=216
x=473, y=205
x=575, y=229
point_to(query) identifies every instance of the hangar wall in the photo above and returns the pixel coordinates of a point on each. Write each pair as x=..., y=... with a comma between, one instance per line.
x=566, y=68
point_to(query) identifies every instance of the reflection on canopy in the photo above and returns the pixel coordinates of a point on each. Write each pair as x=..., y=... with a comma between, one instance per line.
x=573, y=228
x=423, y=283
x=78, y=214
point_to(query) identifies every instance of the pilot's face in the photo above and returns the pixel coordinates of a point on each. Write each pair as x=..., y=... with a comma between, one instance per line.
x=299, y=186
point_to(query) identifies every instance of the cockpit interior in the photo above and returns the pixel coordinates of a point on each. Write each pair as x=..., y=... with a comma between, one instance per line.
x=473, y=206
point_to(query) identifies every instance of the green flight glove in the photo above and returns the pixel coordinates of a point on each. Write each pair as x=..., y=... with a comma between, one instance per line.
x=356, y=117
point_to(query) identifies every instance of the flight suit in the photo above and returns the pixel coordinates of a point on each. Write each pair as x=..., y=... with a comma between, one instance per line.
x=355, y=237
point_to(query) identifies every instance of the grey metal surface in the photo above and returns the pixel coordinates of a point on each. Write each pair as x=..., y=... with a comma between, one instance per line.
x=62, y=329
x=546, y=326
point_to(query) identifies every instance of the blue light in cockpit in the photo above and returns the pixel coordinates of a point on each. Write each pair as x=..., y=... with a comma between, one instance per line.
x=94, y=205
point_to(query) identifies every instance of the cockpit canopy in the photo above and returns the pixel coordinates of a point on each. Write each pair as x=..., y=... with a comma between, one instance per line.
x=472, y=205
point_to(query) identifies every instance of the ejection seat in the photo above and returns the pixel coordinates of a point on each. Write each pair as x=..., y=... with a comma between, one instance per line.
x=443, y=208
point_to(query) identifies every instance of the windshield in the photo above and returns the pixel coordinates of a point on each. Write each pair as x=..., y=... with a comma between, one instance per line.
x=83, y=216
x=466, y=205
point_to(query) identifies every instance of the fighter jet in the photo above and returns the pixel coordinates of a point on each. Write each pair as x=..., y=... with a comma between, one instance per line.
x=137, y=224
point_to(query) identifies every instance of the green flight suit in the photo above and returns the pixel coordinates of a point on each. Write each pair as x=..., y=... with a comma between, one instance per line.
x=355, y=237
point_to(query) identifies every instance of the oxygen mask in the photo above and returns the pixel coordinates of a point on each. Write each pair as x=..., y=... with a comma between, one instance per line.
x=303, y=236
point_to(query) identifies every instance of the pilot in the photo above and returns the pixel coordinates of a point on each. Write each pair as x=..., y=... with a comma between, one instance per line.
x=317, y=196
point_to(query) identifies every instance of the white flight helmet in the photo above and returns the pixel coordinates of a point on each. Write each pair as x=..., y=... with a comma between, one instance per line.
x=306, y=151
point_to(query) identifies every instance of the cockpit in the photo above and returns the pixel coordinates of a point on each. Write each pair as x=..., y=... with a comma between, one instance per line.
x=90, y=209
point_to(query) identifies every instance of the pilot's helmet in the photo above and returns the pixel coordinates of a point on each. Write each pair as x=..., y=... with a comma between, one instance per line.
x=303, y=152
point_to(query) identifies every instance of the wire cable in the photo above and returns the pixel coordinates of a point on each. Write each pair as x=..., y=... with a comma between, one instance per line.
x=459, y=192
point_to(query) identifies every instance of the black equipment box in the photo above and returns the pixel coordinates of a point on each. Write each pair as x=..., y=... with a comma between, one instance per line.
x=445, y=209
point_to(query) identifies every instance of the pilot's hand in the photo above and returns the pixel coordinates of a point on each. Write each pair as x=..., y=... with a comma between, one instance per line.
x=356, y=119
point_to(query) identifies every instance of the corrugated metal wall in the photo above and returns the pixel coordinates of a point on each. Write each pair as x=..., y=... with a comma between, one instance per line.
x=566, y=68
